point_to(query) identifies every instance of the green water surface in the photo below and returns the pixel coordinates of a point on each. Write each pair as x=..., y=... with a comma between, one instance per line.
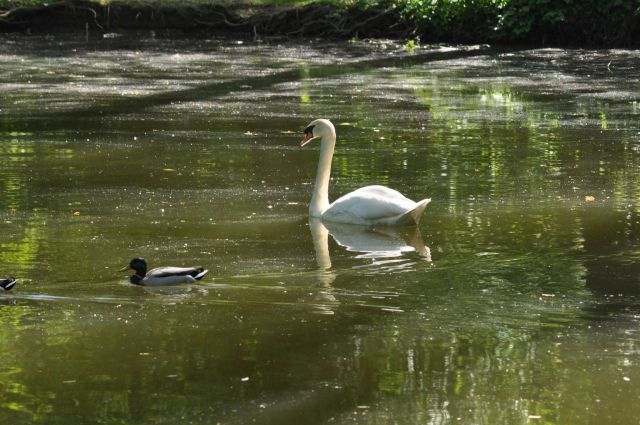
x=515, y=301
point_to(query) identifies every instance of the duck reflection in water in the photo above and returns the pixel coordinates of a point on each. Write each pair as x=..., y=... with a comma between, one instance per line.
x=368, y=242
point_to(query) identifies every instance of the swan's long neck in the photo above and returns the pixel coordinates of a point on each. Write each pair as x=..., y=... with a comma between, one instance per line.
x=320, y=198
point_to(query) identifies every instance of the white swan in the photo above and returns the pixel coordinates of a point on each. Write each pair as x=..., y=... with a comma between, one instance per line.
x=368, y=205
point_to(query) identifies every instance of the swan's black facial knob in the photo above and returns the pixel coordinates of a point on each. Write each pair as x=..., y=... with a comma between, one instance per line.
x=308, y=135
x=309, y=130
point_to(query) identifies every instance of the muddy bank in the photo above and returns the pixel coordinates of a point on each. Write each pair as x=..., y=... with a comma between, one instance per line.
x=585, y=23
x=312, y=20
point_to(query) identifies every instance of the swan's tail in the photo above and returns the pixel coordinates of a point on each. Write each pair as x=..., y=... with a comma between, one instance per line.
x=414, y=216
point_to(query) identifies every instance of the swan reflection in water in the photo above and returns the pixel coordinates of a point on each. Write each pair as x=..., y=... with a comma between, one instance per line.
x=384, y=246
x=367, y=241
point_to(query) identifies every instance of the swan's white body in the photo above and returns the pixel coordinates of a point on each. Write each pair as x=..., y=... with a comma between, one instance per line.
x=369, y=205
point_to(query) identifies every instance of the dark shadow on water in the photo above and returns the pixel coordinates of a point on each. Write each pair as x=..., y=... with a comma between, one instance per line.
x=310, y=406
x=613, y=276
x=611, y=240
x=89, y=117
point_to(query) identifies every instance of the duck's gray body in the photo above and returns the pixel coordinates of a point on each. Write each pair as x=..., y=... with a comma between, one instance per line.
x=172, y=276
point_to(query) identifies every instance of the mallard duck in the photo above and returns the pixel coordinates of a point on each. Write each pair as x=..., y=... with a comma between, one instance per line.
x=368, y=205
x=162, y=275
x=7, y=284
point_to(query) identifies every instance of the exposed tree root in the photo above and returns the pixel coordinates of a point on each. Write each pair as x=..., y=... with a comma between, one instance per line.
x=311, y=20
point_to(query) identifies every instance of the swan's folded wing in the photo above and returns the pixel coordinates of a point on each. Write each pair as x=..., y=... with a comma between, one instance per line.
x=379, y=192
x=368, y=204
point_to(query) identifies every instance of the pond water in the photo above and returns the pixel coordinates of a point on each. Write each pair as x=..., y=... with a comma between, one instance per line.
x=516, y=300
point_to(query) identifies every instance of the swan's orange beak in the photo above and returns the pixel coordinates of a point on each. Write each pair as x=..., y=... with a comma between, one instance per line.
x=307, y=138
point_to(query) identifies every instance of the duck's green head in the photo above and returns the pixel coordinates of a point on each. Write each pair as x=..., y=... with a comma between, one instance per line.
x=139, y=265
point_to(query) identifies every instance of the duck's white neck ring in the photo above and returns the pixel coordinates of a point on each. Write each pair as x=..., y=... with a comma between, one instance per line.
x=136, y=279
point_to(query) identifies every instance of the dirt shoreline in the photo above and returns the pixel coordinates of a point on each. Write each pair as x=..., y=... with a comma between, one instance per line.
x=311, y=20
x=581, y=26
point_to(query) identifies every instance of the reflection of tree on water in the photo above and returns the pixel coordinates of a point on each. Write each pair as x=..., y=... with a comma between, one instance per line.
x=23, y=225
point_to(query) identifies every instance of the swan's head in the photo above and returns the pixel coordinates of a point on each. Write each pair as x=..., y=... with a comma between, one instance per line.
x=317, y=128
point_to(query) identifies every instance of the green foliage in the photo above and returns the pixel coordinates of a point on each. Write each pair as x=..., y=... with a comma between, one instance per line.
x=460, y=20
x=571, y=21
x=522, y=17
x=529, y=21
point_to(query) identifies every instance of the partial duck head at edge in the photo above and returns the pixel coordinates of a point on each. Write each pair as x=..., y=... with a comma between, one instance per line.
x=7, y=284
